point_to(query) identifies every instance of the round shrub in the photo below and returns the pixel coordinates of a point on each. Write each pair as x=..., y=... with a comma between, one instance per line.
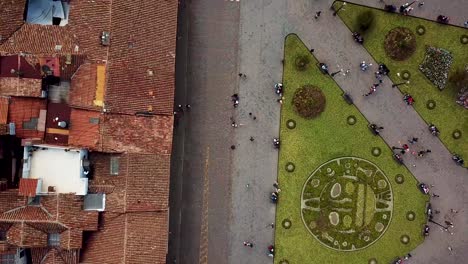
x=420, y=30
x=372, y=261
x=351, y=120
x=430, y=104
x=302, y=62
x=286, y=223
x=309, y=101
x=290, y=167
x=365, y=20
x=284, y=261
x=399, y=179
x=405, y=239
x=400, y=43
x=456, y=134
x=410, y=215
x=464, y=39
x=405, y=75
x=291, y=124
x=376, y=151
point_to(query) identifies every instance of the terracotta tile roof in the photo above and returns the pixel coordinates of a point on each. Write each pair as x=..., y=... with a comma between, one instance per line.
x=26, y=213
x=11, y=18
x=148, y=182
x=9, y=200
x=84, y=128
x=83, y=87
x=68, y=69
x=24, y=110
x=130, y=238
x=4, y=103
x=41, y=40
x=28, y=187
x=14, y=86
x=137, y=48
x=87, y=20
x=125, y=133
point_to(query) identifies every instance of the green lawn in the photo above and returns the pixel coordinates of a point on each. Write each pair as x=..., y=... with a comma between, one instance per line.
x=448, y=116
x=314, y=142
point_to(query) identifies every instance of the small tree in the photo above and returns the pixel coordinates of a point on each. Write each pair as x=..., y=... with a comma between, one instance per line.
x=459, y=79
x=364, y=20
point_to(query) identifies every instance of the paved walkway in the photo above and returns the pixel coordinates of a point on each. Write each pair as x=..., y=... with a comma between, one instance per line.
x=264, y=24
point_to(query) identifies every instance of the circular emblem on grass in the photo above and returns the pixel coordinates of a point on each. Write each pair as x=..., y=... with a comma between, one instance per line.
x=309, y=101
x=372, y=261
x=464, y=39
x=430, y=104
x=347, y=199
x=291, y=124
x=410, y=215
x=351, y=120
x=456, y=134
x=420, y=30
x=284, y=261
x=376, y=151
x=286, y=223
x=290, y=167
x=405, y=239
x=399, y=179
x=406, y=75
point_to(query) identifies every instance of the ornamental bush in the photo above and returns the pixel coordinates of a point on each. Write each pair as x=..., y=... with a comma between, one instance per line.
x=309, y=101
x=365, y=20
x=400, y=43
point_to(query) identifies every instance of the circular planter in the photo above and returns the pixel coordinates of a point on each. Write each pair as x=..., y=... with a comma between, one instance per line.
x=406, y=75
x=410, y=215
x=290, y=167
x=351, y=120
x=291, y=124
x=376, y=151
x=405, y=239
x=464, y=39
x=286, y=223
x=372, y=261
x=431, y=104
x=420, y=30
x=399, y=179
x=456, y=134
x=284, y=261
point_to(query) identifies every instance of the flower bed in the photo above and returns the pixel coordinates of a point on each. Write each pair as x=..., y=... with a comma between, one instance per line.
x=436, y=66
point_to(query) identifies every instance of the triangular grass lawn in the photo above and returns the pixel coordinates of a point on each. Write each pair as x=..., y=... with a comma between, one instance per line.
x=447, y=115
x=313, y=142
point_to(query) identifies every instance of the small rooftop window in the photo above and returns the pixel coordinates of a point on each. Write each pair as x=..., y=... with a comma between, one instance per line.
x=114, y=165
x=53, y=239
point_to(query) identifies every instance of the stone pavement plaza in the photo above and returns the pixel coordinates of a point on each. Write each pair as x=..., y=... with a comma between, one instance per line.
x=243, y=207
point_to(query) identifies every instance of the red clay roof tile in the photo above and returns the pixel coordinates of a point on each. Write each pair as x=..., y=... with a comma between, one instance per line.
x=41, y=40
x=24, y=110
x=11, y=18
x=83, y=87
x=28, y=187
x=143, y=38
x=84, y=128
x=4, y=103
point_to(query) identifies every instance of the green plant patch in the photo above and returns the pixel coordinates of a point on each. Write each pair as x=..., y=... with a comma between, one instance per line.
x=399, y=179
x=436, y=66
x=290, y=167
x=405, y=75
x=405, y=239
x=420, y=29
x=372, y=261
x=351, y=120
x=456, y=134
x=431, y=104
x=464, y=39
x=302, y=62
x=410, y=216
x=291, y=124
x=343, y=206
x=286, y=223
x=448, y=114
x=376, y=151
x=309, y=101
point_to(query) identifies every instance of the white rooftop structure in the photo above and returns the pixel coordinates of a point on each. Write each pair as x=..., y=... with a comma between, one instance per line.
x=59, y=168
x=43, y=11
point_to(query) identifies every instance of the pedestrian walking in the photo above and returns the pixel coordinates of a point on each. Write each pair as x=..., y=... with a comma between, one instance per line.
x=272, y=225
x=435, y=195
x=248, y=244
x=252, y=139
x=241, y=75
x=276, y=185
x=180, y=108
x=188, y=107
x=420, y=4
x=449, y=223
x=233, y=147
x=234, y=124
x=450, y=248
x=413, y=140
x=312, y=50
x=317, y=14
x=453, y=211
x=466, y=23
x=250, y=114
